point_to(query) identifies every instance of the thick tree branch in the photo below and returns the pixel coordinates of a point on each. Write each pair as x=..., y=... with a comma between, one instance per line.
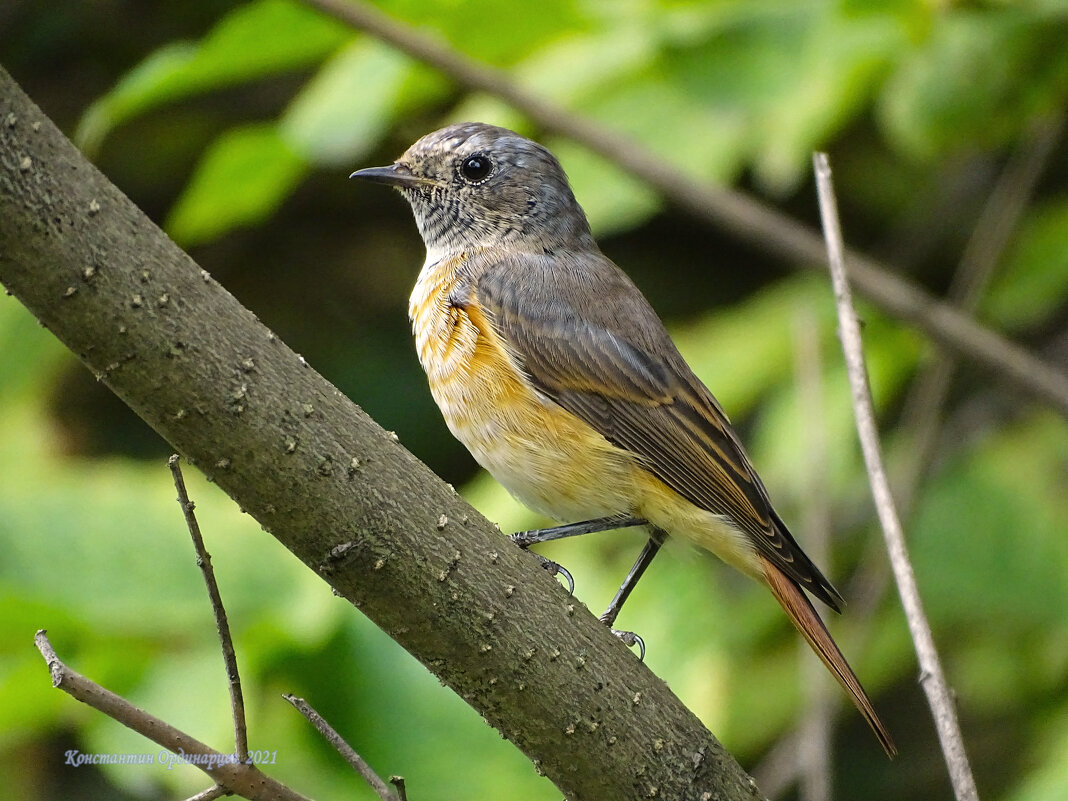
x=744, y=216
x=333, y=487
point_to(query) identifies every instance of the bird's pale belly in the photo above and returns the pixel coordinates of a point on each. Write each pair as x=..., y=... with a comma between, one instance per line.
x=543, y=457
x=547, y=458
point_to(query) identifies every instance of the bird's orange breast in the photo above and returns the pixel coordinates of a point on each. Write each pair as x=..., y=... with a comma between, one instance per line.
x=541, y=453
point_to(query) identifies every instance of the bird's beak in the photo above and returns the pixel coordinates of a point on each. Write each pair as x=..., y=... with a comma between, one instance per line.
x=394, y=175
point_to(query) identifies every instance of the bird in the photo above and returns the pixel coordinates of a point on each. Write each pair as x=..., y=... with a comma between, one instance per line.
x=551, y=367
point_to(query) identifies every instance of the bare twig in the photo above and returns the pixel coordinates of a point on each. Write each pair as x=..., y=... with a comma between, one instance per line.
x=932, y=678
x=742, y=215
x=237, y=777
x=237, y=701
x=230, y=658
x=218, y=791
x=923, y=408
x=814, y=755
x=359, y=764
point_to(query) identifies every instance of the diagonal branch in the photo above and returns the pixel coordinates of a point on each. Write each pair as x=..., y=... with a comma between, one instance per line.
x=744, y=216
x=238, y=777
x=333, y=487
x=358, y=763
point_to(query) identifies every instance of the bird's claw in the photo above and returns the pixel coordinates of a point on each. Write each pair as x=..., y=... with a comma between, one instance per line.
x=630, y=639
x=522, y=538
x=556, y=569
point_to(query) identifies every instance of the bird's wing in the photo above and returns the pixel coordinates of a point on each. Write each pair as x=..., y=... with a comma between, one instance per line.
x=589, y=341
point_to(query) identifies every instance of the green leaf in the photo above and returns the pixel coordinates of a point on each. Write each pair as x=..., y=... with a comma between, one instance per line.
x=843, y=61
x=488, y=31
x=745, y=64
x=1033, y=285
x=988, y=537
x=241, y=180
x=255, y=40
x=579, y=67
x=343, y=111
x=975, y=80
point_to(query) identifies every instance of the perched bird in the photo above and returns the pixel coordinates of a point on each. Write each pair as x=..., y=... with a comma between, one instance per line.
x=552, y=368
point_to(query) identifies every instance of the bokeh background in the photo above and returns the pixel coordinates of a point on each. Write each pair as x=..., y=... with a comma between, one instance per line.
x=234, y=125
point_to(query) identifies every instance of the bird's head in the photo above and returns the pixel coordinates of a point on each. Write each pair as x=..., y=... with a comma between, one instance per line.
x=474, y=185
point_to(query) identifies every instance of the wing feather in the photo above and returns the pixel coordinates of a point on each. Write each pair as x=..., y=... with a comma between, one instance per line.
x=589, y=341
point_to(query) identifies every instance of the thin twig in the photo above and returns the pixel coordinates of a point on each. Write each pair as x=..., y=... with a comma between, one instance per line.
x=237, y=701
x=218, y=791
x=358, y=763
x=224, y=769
x=932, y=678
x=744, y=216
x=815, y=754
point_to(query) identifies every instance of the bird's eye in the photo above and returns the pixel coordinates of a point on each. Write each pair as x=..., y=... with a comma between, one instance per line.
x=476, y=169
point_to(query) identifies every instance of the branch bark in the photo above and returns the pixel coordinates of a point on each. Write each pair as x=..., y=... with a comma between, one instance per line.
x=745, y=217
x=333, y=487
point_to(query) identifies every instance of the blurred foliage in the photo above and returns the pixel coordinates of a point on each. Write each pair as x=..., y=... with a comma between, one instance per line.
x=235, y=126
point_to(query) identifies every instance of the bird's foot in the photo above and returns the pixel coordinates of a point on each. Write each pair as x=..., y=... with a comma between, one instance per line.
x=630, y=639
x=556, y=569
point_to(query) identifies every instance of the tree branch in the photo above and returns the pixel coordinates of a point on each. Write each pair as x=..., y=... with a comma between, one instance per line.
x=744, y=216
x=932, y=678
x=333, y=487
x=226, y=643
x=358, y=763
x=236, y=776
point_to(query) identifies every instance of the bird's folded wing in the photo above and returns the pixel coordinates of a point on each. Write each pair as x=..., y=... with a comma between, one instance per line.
x=590, y=342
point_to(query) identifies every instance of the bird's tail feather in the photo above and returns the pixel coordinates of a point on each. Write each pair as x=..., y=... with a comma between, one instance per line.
x=802, y=614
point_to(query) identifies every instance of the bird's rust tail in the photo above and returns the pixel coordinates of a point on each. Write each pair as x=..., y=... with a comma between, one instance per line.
x=796, y=604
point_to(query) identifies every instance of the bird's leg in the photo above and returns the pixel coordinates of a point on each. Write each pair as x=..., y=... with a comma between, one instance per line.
x=630, y=581
x=524, y=539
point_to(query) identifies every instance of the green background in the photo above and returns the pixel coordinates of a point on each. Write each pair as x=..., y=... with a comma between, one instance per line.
x=235, y=126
